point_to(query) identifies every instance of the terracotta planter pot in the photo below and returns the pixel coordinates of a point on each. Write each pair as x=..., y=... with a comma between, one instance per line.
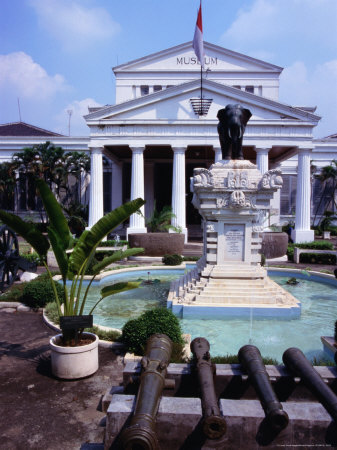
x=158, y=244
x=74, y=362
x=274, y=244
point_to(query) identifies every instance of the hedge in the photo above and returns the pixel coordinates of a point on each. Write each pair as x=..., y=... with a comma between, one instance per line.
x=315, y=245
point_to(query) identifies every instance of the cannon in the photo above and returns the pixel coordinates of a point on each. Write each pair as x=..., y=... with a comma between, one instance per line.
x=298, y=364
x=10, y=259
x=140, y=434
x=251, y=360
x=213, y=424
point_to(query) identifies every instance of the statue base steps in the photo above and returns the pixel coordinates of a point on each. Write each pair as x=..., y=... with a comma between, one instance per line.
x=230, y=290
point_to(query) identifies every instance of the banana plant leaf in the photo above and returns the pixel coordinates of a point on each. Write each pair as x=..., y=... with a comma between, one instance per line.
x=26, y=230
x=59, y=252
x=90, y=239
x=115, y=289
x=117, y=256
x=55, y=213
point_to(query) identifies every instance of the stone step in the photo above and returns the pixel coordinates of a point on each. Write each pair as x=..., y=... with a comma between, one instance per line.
x=236, y=299
x=260, y=289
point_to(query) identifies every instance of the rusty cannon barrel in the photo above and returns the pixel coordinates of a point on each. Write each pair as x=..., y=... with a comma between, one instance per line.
x=140, y=434
x=213, y=424
x=299, y=365
x=251, y=360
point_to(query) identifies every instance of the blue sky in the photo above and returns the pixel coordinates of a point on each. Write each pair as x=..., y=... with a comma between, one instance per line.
x=57, y=55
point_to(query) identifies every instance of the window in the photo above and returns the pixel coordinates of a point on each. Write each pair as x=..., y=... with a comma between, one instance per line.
x=157, y=88
x=288, y=195
x=144, y=90
x=237, y=87
x=249, y=89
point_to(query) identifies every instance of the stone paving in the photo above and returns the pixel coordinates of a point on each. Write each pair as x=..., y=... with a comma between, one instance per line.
x=38, y=411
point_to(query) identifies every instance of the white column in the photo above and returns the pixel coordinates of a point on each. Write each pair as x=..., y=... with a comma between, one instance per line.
x=137, y=222
x=302, y=232
x=262, y=159
x=116, y=185
x=179, y=189
x=263, y=167
x=96, y=186
x=217, y=154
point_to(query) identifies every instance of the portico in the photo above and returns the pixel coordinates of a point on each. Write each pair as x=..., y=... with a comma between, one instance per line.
x=154, y=141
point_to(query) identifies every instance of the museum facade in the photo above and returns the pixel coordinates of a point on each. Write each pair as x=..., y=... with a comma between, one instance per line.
x=148, y=143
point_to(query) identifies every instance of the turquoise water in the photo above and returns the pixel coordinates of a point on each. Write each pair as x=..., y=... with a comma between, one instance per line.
x=272, y=337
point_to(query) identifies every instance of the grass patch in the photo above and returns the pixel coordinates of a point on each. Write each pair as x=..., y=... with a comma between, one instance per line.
x=14, y=293
x=234, y=359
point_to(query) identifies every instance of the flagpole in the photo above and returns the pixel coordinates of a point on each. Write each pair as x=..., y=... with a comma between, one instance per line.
x=201, y=89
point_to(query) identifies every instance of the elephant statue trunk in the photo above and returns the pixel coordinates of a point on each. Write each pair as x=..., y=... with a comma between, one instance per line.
x=232, y=123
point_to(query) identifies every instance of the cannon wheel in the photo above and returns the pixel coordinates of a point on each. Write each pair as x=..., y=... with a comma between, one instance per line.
x=9, y=256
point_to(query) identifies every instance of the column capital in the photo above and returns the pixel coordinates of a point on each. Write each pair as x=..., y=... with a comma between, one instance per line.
x=95, y=149
x=179, y=149
x=137, y=149
x=305, y=150
x=262, y=150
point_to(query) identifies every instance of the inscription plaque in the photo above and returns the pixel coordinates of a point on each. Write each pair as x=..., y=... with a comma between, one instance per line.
x=234, y=242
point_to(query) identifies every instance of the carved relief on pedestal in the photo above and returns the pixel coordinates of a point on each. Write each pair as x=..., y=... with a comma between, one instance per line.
x=211, y=227
x=236, y=200
x=272, y=179
x=259, y=220
x=237, y=179
x=202, y=178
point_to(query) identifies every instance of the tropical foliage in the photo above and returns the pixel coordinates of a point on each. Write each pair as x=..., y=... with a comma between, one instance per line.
x=74, y=267
x=328, y=178
x=160, y=221
x=64, y=172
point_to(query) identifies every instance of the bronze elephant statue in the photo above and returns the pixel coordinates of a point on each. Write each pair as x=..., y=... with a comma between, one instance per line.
x=232, y=123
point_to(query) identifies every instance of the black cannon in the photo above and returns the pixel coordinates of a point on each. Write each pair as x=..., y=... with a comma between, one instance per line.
x=251, y=360
x=140, y=434
x=298, y=364
x=213, y=424
x=10, y=259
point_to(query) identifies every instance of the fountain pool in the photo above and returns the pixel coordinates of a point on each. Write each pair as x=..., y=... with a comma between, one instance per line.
x=271, y=336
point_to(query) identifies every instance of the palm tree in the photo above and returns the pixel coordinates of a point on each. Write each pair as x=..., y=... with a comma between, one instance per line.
x=328, y=177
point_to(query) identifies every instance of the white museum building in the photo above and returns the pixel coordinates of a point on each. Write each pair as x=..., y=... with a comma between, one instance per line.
x=148, y=143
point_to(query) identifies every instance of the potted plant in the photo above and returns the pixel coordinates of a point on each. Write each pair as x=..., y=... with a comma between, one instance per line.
x=66, y=347
x=158, y=241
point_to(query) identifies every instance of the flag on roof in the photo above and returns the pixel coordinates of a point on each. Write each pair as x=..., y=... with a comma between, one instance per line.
x=198, y=42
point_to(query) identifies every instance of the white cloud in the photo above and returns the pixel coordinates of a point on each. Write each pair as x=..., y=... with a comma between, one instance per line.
x=73, y=24
x=301, y=87
x=27, y=79
x=78, y=108
x=292, y=26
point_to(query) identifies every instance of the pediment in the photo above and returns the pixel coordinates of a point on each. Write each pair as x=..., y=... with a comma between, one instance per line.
x=174, y=104
x=182, y=58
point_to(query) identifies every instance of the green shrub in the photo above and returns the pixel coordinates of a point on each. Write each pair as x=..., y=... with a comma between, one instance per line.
x=315, y=245
x=234, y=359
x=263, y=260
x=172, y=260
x=318, y=258
x=38, y=292
x=33, y=258
x=136, y=332
x=113, y=243
x=191, y=258
x=101, y=254
x=13, y=294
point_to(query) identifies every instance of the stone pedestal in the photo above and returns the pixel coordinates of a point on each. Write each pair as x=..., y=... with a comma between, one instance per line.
x=233, y=198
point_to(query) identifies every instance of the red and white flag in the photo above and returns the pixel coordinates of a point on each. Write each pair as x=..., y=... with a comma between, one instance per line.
x=198, y=42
